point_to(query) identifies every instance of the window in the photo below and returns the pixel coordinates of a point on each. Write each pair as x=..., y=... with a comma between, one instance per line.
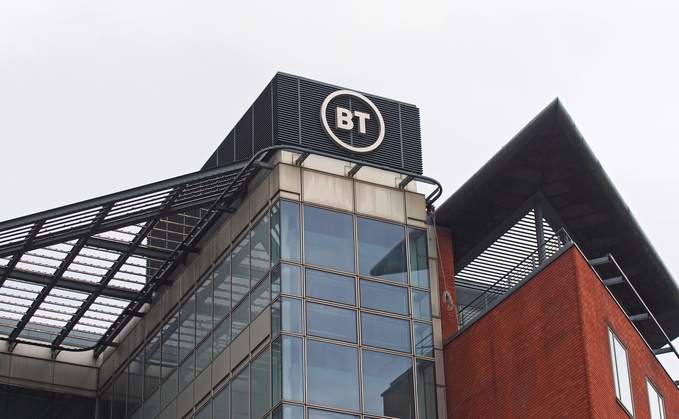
x=328, y=239
x=655, y=402
x=621, y=377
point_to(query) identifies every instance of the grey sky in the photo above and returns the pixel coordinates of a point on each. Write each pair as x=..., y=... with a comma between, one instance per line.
x=98, y=97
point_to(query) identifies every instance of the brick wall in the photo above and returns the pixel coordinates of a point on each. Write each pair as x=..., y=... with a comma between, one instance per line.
x=446, y=270
x=544, y=352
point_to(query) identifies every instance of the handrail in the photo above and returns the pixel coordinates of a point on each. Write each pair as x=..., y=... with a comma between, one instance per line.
x=524, y=268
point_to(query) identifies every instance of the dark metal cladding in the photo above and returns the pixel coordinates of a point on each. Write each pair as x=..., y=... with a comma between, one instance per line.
x=288, y=112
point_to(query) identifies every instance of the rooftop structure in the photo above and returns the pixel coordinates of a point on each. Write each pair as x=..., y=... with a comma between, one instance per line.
x=299, y=274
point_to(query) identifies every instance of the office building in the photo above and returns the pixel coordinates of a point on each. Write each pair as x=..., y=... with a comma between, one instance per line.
x=299, y=274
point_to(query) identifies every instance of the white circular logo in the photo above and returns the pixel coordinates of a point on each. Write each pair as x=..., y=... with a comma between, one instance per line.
x=345, y=121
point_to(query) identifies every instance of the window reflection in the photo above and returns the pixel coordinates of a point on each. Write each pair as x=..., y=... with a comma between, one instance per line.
x=421, y=305
x=332, y=367
x=419, y=266
x=424, y=339
x=388, y=385
x=331, y=322
x=426, y=389
x=384, y=297
x=328, y=239
x=259, y=250
x=260, y=399
x=222, y=290
x=385, y=332
x=240, y=271
x=287, y=279
x=381, y=250
x=330, y=287
x=240, y=395
x=286, y=364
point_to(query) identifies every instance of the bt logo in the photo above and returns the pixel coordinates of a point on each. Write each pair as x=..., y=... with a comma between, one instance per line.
x=344, y=120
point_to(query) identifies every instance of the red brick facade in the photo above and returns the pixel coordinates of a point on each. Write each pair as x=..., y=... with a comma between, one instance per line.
x=446, y=271
x=544, y=352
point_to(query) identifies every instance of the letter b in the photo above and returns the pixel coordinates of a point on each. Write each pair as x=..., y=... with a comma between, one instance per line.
x=343, y=119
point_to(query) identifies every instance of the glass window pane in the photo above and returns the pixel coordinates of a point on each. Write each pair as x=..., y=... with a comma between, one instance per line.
x=323, y=414
x=222, y=287
x=220, y=404
x=205, y=412
x=259, y=298
x=424, y=339
x=120, y=396
x=286, y=315
x=388, y=385
x=221, y=337
x=286, y=374
x=419, y=265
x=240, y=395
x=290, y=231
x=275, y=215
x=259, y=250
x=331, y=322
x=204, y=309
x=260, y=400
x=288, y=411
x=136, y=381
x=421, y=305
x=168, y=390
x=328, y=239
x=381, y=250
x=187, y=327
x=203, y=355
x=152, y=364
x=330, y=287
x=384, y=297
x=240, y=318
x=329, y=368
x=426, y=389
x=287, y=279
x=240, y=271
x=656, y=402
x=621, y=372
x=104, y=404
x=152, y=405
x=170, y=346
x=385, y=332
x=187, y=372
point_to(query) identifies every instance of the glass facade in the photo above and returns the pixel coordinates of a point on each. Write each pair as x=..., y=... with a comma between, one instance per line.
x=351, y=333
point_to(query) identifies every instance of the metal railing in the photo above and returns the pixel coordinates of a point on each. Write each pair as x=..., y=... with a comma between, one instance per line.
x=466, y=313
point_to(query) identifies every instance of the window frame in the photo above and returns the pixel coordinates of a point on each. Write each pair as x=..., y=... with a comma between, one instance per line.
x=613, y=338
x=659, y=399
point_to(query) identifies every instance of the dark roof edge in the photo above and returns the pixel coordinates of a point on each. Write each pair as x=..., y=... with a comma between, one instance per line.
x=597, y=170
x=507, y=151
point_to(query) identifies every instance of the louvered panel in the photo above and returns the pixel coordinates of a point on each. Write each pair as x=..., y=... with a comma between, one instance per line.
x=263, y=120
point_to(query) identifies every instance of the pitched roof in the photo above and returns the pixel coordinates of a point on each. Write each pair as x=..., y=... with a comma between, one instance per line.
x=549, y=158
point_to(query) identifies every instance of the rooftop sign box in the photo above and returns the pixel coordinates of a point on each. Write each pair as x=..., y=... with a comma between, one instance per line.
x=321, y=117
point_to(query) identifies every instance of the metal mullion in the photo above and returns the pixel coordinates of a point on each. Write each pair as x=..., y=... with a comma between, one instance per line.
x=73, y=253
x=16, y=257
x=109, y=276
x=55, y=227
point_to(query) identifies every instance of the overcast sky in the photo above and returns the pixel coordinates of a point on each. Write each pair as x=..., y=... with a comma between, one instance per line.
x=99, y=97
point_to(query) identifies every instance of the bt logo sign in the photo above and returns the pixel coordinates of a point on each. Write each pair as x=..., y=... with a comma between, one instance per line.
x=344, y=120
